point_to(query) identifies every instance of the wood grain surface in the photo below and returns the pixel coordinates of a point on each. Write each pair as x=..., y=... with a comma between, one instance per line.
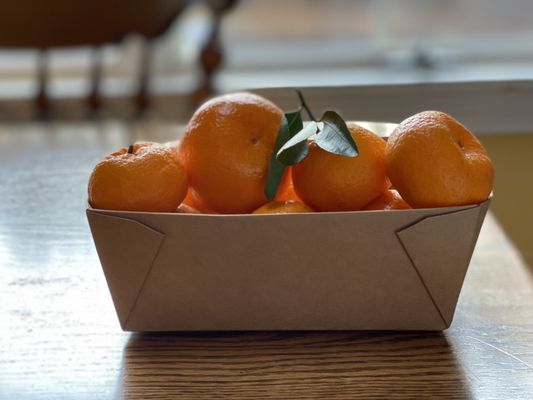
x=60, y=339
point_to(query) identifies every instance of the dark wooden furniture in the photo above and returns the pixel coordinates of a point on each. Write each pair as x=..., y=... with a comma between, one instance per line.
x=44, y=25
x=60, y=339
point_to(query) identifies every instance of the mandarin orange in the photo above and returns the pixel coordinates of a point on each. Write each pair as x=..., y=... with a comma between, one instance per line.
x=286, y=187
x=186, y=209
x=144, y=177
x=389, y=200
x=192, y=200
x=434, y=161
x=283, y=207
x=226, y=151
x=331, y=182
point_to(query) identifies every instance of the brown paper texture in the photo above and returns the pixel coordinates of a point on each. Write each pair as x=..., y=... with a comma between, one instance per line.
x=364, y=270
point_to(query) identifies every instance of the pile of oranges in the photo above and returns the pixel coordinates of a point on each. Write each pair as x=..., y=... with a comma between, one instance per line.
x=220, y=167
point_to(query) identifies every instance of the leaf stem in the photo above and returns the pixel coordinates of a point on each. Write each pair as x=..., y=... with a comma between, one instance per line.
x=305, y=106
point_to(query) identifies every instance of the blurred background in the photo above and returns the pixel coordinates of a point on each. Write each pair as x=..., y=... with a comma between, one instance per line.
x=67, y=61
x=265, y=43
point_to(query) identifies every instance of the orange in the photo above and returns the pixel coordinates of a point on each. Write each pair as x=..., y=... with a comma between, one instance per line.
x=434, y=161
x=185, y=209
x=191, y=200
x=389, y=200
x=285, y=193
x=226, y=151
x=331, y=182
x=283, y=207
x=286, y=187
x=145, y=177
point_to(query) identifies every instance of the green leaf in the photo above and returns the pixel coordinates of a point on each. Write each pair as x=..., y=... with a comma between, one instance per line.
x=276, y=168
x=291, y=124
x=335, y=136
x=295, y=123
x=295, y=150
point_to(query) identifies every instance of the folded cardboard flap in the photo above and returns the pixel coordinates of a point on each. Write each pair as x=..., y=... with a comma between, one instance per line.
x=127, y=250
x=355, y=270
x=440, y=248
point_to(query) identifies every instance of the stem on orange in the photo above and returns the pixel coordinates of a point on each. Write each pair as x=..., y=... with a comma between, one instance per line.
x=130, y=149
x=305, y=106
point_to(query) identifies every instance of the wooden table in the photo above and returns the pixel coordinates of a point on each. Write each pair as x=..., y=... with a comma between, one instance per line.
x=59, y=336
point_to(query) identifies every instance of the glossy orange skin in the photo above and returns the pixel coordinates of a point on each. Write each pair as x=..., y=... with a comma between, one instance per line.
x=191, y=200
x=149, y=179
x=226, y=151
x=286, y=187
x=186, y=209
x=283, y=207
x=389, y=200
x=331, y=182
x=285, y=193
x=434, y=161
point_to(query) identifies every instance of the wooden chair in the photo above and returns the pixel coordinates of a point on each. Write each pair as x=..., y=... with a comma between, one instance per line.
x=42, y=25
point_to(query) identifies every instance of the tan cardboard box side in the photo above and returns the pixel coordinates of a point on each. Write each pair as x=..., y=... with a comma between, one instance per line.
x=373, y=270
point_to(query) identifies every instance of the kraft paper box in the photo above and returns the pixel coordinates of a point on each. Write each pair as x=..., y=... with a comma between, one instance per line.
x=364, y=270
